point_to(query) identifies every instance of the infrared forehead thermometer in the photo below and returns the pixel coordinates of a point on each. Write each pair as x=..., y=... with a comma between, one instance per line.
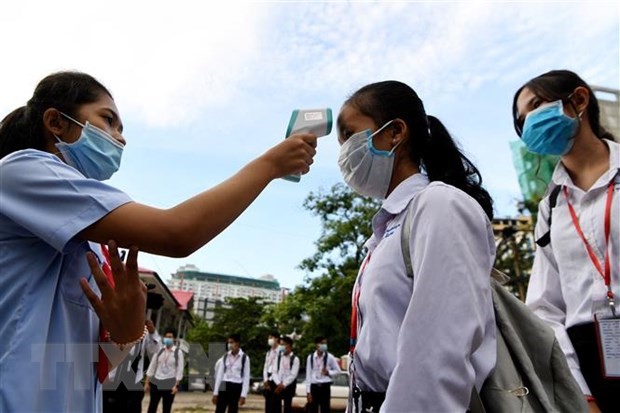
x=316, y=121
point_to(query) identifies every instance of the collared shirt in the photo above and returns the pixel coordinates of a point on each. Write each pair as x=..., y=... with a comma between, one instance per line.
x=565, y=289
x=50, y=330
x=165, y=366
x=314, y=369
x=232, y=365
x=270, y=359
x=426, y=342
x=286, y=369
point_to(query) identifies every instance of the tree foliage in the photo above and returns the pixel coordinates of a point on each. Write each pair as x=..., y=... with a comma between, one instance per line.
x=322, y=306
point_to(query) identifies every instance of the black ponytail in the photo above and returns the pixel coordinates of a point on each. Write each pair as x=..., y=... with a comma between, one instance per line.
x=429, y=145
x=65, y=91
x=443, y=161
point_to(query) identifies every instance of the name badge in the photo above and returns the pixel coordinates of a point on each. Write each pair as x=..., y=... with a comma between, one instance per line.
x=608, y=337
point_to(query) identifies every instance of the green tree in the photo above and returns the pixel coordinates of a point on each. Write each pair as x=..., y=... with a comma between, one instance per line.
x=322, y=306
x=243, y=316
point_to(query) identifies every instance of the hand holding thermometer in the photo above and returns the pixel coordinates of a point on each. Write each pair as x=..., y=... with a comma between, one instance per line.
x=316, y=121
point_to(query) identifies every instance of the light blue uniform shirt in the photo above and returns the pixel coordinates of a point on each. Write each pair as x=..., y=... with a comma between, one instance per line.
x=47, y=327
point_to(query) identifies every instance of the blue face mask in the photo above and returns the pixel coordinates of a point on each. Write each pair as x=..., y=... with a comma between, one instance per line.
x=549, y=131
x=168, y=342
x=95, y=154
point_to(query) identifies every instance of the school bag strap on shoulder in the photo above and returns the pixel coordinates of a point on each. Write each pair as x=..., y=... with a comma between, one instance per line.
x=176, y=357
x=544, y=240
x=531, y=373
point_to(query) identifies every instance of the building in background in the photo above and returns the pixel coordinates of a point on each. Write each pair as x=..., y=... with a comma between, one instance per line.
x=211, y=290
x=534, y=171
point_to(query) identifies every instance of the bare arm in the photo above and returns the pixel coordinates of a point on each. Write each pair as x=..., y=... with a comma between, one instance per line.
x=181, y=230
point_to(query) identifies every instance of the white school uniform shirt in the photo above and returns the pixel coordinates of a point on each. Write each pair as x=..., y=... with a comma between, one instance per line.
x=286, y=373
x=426, y=342
x=164, y=366
x=49, y=328
x=565, y=289
x=135, y=351
x=268, y=367
x=233, y=372
x=314, y=368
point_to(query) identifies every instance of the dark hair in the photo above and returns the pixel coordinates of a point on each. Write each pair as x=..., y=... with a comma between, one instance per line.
x=287, y=340
x=171, y=331
x=318, y=339
x=274, y=334
x=235, y=337
x=558, y=85
x=429, y=144
x=65, y=91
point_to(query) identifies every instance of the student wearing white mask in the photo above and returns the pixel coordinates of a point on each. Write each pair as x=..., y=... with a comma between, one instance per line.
x=421, y=338
x=575, y=279
x=54, y=153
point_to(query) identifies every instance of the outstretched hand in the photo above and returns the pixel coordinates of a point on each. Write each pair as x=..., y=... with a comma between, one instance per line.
x=293, y=155
x=122, y=307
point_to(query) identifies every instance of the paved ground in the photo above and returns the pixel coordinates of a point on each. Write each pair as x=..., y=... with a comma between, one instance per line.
x=199, y=402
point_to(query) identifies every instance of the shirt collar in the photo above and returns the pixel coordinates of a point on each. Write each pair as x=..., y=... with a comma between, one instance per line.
x=396, y=202
x=560, y=174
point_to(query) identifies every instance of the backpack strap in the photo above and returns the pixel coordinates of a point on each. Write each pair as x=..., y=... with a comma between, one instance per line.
x=405, y=234
x=243, y=363
x=279, y=358
x=553, y=199
x=176, y=357
x=224, y=361
x=325, y=360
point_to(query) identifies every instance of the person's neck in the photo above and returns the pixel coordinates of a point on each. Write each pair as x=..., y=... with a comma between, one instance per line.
x=319, y=353
x=402, y=170
x=587, y=160
x=234, y=352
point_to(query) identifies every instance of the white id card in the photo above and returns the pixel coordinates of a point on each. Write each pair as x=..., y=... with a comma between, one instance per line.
x=608, y=336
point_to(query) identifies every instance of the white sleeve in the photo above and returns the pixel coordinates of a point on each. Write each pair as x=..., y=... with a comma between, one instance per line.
x=219, y=375
x=265, y=367
x=153, y=343
x=333, y=369
x=544, y=296
x=246, y=378
x=152, y=366
x=308, y=374
x=292, y=376
x=450, y=309
x=180, y=366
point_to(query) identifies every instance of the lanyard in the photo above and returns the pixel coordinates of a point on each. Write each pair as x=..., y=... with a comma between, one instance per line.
x=605, y=273
x=355, y=306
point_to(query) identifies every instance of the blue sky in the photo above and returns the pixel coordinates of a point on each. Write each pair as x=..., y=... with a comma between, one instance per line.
x=204, y=87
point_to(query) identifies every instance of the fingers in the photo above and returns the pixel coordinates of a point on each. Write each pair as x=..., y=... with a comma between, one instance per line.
x=118, y=269
x=92, y=297
x=100, y=278
x=131, y=266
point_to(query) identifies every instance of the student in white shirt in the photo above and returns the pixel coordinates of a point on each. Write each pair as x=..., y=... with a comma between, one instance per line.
x=273, y=342
x=165, y=374
x=557, y=113
x=285, y=377
x=420, y=343
x=232, y=378
x=320, y=368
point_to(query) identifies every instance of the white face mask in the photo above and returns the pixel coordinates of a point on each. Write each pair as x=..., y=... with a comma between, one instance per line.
x=271, y=342
x=364, y=168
